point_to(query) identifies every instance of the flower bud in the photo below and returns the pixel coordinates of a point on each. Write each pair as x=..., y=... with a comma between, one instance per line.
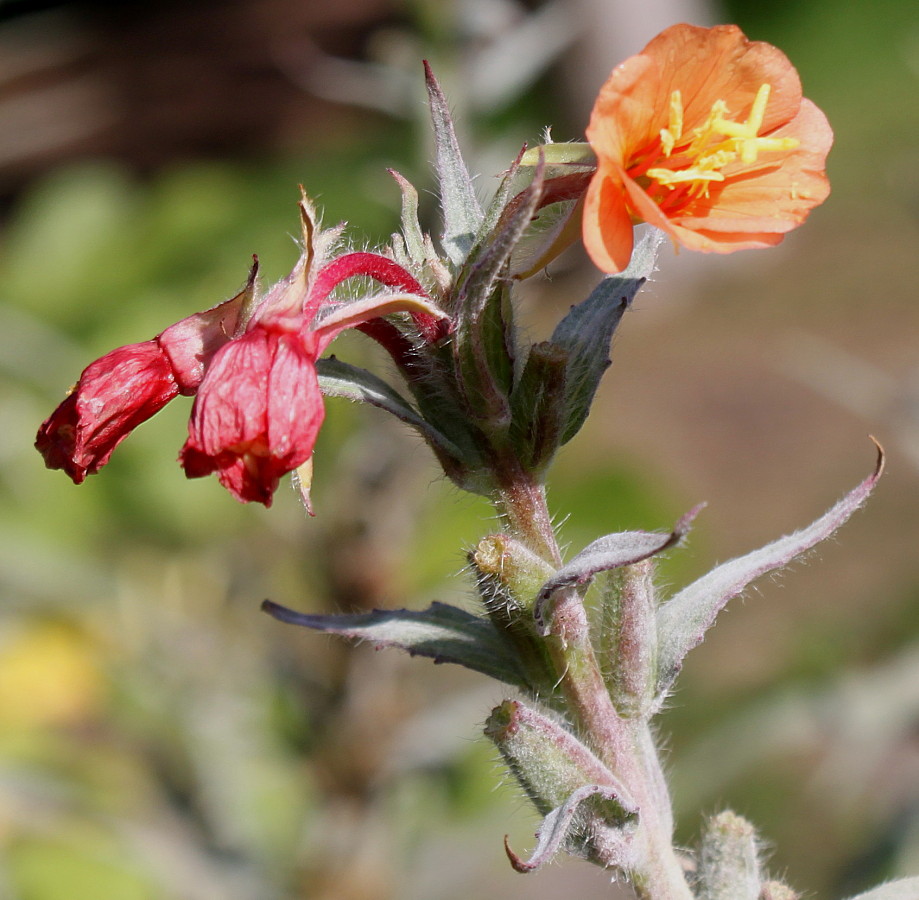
x=628, y=637
x=508, y=577
x=551, y=765
x=729, y=863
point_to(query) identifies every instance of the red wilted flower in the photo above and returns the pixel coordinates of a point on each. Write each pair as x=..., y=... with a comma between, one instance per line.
x=130, y=384
x=258, y=413
x=704, y=134
x=259, y=408
x=252, y=366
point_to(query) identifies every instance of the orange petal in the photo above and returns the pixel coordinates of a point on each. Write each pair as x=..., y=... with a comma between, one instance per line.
x=710, y=64
x=607, y=228
x=773, y=195
x=629, y=111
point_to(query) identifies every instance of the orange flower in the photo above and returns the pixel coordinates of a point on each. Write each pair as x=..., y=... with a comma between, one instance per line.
x=705, y=135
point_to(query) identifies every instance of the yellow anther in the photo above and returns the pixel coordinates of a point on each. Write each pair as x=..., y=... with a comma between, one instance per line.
x=669, y=177
x=674, y=130
x=715, y=144
x=716, y=160
x=758, y=110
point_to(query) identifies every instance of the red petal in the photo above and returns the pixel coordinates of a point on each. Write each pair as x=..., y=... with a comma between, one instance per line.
x=113, y=396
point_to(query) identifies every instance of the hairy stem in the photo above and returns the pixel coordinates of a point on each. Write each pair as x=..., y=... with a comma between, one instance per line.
x=626, y=745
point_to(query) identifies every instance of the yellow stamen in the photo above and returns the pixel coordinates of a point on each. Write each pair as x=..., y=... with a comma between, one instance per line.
x=669, y=177
x=714, y=144
x=674, y=130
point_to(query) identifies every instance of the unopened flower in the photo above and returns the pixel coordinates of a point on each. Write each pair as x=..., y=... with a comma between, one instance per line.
x=706, y=135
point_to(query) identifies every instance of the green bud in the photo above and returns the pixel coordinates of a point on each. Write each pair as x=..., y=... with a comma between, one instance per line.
x=508, y=576
x=628, y=637
x=548, y=761
x=729, y=863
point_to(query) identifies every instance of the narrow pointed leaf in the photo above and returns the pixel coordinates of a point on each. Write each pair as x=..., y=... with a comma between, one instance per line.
x=683, y=621
x=586, y=332
x=462, y=212
x=903, y=889
x=502, y=195
x=340, y=379
x=442, y=632
x=559, y=827
x=610, y=552
x=491, y=256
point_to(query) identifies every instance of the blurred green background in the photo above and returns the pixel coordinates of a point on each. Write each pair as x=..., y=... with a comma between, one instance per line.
x=159, y=736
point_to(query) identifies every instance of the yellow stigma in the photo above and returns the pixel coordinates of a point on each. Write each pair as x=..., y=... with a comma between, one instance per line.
x=714, y=144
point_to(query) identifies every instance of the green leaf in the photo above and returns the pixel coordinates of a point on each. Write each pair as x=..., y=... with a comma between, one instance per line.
x=442, y=632
x=613, y=551
x=538, y=406
x=683, y=620
x=340, y=379
x=462, y=212
x=562, y=829
x=586, y=332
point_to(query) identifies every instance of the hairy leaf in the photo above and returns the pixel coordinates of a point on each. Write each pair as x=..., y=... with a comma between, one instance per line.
x=442, y=632
x=462, y=212
x=611, y=552
x=683, y=620
x=340, y=379
x=586, y=332
x=559, y=829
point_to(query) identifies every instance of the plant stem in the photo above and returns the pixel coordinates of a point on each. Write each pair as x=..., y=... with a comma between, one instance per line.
x=625, y=745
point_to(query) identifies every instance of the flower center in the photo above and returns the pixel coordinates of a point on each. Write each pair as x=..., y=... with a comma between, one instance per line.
x=691, y=162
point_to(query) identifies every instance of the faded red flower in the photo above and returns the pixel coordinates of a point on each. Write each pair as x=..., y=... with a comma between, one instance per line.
x=257, y=414
x=130, y=384
x=251, y=365
x=258, y=411
x=706, y=135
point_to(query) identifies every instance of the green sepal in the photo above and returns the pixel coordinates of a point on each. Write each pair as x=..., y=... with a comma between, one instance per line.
x=567, y=153
x=412, y=235
x=461, y=209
